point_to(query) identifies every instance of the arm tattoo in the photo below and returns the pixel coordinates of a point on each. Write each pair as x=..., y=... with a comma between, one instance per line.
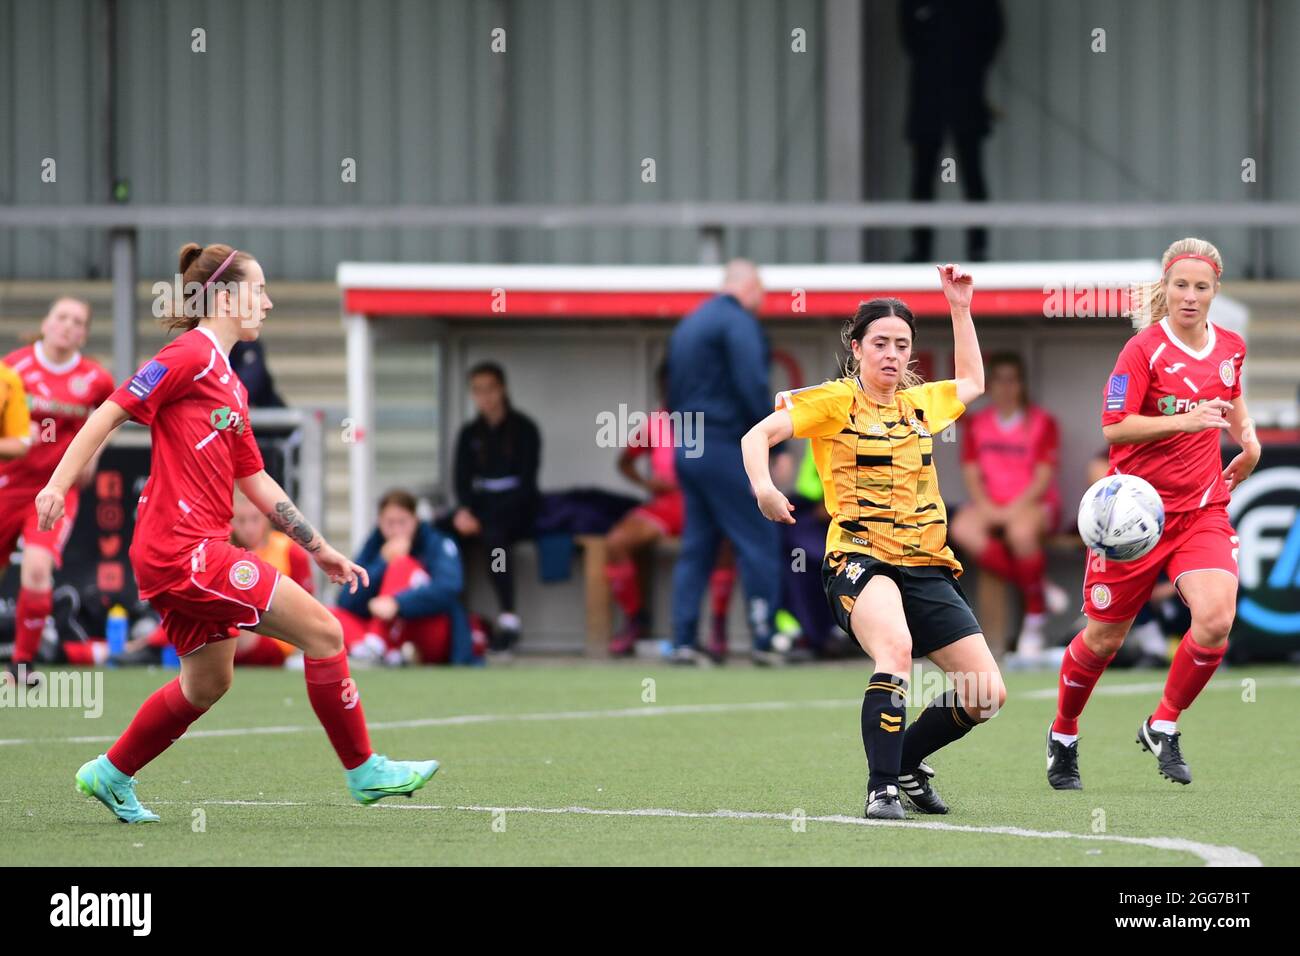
x=289, y=520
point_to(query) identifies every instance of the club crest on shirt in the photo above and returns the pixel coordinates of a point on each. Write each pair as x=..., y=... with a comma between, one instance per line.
x=79, y=385
x=1226, y=373
x=853, y=572
x=1100, y=596
x=244, y=574
x=919, y=428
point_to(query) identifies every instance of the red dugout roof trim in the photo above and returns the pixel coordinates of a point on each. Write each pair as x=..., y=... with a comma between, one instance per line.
x=523, y=303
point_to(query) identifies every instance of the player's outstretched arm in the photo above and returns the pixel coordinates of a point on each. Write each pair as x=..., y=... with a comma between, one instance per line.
x=273, y=501
x=102, y=422
x=968, y=364
x=773, y=430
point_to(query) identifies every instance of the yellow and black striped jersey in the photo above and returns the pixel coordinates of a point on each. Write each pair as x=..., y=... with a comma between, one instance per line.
x=876, y=468
x=15, y=420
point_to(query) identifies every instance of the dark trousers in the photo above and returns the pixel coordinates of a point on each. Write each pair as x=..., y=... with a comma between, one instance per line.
x=719, y=503
x=970, y=173
x=804, y=595
x=504, y=519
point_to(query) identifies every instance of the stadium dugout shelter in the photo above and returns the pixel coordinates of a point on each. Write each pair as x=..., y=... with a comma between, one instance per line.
x=579, y=345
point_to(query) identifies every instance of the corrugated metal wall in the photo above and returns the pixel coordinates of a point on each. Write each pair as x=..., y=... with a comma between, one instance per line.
x=587, y=90
x=1163, y=115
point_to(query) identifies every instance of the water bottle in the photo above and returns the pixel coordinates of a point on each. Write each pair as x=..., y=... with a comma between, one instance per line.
x=115, y=632
x=169, y=656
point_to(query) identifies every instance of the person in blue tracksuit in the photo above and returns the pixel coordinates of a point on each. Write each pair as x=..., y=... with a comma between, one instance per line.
x=415, y=574
x=718, y=381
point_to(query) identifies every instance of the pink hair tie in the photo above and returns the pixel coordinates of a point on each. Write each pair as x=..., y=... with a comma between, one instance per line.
x=222, y=268
x=1192, y=255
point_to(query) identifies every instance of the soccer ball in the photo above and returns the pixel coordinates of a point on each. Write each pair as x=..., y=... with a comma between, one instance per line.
x=1121, y=516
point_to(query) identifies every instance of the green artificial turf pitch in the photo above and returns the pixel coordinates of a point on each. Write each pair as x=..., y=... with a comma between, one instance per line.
x=258, y=784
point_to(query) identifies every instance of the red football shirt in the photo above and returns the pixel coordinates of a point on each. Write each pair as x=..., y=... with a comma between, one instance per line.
x=197, y=410
x=1008, y=453
x=1157, y=374
x=60, y=398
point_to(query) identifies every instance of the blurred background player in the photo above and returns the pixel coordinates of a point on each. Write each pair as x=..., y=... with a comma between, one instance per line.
x=718, y=358
x=251, y=529
x=63, y=388
x=890, y=577
x=662, y=516
x=1010, y=458
x=1175, y=389
x=414, y=594
x=205, y=587
x=498, y=455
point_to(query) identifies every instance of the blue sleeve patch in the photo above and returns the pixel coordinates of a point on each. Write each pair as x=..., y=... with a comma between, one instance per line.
x=147, y=379
x=1116, y=392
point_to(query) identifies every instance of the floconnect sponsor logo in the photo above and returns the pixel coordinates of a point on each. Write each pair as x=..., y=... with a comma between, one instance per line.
x=48, y=406
x=223, y=418
x=147, y=379
x=78, y=909
x=1170, y=405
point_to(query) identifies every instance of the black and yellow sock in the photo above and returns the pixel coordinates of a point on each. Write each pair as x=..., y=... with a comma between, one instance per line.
x=938, y=725
x=884, y=711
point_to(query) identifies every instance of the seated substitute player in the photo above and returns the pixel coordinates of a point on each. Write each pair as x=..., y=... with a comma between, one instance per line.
x=1175, y=389
x=890, y=577
x=204, y=587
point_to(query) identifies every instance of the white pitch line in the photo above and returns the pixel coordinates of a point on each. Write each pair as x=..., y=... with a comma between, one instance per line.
x=647, y=711
x=1211, y=854
x=462, y=719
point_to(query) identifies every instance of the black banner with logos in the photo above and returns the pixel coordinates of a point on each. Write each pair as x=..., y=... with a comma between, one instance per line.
x=96, y=572
x=1265, y=510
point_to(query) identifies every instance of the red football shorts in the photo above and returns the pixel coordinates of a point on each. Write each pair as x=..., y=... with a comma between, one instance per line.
x=668, y=511
x=18, y=517
x=1115, y=591
x=228, y=588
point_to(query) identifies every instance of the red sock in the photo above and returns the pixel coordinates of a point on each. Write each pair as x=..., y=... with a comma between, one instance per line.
x=996, y=559
x=1080, y=671
x=1029, y=578
x=1191, y=670
x=625, y=586
x=85, y=652
x=29, y=622
x=337, y=702
x=159, y=723
x=721, y=584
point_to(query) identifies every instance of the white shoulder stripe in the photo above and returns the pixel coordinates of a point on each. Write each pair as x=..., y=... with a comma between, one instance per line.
x=212, y=360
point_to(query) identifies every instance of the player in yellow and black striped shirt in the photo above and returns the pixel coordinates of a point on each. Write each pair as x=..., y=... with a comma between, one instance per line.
x=889, y=574
x=15, y=420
